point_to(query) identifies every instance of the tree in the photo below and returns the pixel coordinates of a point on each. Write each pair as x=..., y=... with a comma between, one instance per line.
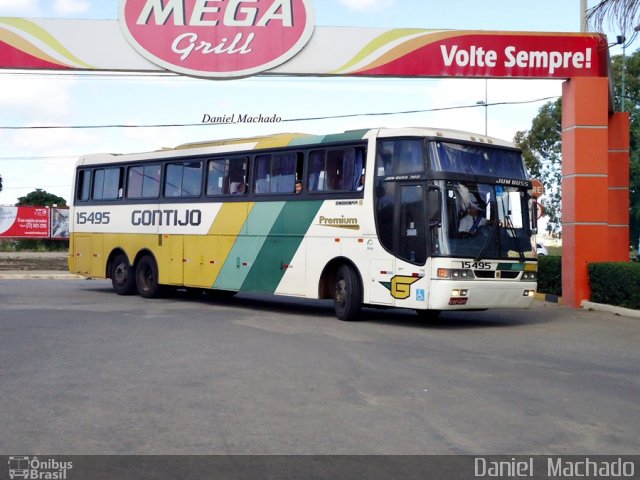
x=630, y=102
x=542, y=149
x=40, y=198
x=621, y=14
x=624, y=16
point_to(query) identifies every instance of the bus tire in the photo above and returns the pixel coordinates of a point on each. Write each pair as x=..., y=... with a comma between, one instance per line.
x=347, y=296
x=122, y=275
x=147, y=277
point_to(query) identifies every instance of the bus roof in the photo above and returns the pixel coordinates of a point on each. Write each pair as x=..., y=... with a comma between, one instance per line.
x=289, y=140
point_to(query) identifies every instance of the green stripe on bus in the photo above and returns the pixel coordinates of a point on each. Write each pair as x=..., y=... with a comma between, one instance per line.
x=348, y=136
x=307, y=141
x=248, y=245
x=280, y=247
x=511, y=266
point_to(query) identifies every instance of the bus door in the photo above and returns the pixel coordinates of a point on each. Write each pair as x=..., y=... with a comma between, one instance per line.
x=177, y=260
x=402, y=230
x=382, y=271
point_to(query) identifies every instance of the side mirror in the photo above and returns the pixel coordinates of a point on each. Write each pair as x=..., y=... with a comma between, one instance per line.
x=534, y=216
x=434, y=204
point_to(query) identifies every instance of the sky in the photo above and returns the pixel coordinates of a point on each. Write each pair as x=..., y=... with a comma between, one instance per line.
x=35, y=158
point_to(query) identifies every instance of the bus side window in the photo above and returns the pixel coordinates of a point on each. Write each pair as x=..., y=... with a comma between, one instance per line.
x=83, y=185
x=317, y=173
x=277, y=173
x=216, y=177
x=107, y=184
x=227, y=176
x=283, y=178
x=262, y=173
x=358, y=169
x=384, y=159
x=410, y=156
x=412, y=225
x=183, y=179
x=335, y=170
x=144, y=181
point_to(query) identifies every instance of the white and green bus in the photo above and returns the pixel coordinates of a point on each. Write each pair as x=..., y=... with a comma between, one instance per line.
x=416, y=218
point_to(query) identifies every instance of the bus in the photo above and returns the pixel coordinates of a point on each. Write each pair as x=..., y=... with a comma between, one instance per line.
x=416, y=218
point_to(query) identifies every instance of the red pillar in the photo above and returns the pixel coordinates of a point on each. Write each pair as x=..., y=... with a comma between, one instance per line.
x=619, y=187
x=595, y=187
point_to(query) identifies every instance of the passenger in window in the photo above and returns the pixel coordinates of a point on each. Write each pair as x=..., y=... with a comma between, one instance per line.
x=241, y=189
x=299, y=187
x=473, y=220
x=361, y=184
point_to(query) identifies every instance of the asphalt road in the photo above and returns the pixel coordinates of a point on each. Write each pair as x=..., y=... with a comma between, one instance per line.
x=84, y=371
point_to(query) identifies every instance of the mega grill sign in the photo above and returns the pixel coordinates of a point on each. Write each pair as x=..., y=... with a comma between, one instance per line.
x=224, y=39
x=217, y=38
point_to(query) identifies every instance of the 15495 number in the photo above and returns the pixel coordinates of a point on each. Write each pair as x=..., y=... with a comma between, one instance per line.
x=477, y=265
x=94, y=218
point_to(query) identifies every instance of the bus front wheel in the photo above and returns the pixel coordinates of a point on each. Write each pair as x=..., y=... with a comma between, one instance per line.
x=122, y=276
x=147, y=277
x=347, y=294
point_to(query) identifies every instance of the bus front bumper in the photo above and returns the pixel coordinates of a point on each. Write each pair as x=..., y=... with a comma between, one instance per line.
x=455, y=295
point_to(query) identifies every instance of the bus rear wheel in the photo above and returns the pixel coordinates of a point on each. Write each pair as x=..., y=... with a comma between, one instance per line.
x=147, y=277
x=347, y=294
x=122, y=275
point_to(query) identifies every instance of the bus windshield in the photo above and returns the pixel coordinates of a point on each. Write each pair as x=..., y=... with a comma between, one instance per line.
x=476, y=160
x=483, y=221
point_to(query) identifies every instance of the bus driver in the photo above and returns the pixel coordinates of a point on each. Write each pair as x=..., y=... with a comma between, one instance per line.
x=474, y=219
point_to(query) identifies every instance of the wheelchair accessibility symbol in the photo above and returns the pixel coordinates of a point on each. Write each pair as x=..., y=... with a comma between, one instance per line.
x=420, y=295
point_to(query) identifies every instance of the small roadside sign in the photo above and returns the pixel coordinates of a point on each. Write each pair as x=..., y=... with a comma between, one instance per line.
x=537, y=188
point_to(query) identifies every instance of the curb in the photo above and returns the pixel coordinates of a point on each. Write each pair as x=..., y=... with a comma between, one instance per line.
x=601, y=307
x=592, y=306
x=39, y=275
x=547, y=297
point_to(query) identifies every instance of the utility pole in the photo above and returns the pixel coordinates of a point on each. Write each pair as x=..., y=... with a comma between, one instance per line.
x=583, y=16
x=486, y=106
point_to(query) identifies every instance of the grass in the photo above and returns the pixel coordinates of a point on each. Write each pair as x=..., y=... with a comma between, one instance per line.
x=556, y=251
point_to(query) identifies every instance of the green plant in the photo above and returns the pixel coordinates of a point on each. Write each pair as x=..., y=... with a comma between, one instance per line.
x=615, y=283
x=550, y=275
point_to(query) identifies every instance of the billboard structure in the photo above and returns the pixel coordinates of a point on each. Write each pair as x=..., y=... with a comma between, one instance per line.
x=34, y=223
x=159, y=46
x=278, y=37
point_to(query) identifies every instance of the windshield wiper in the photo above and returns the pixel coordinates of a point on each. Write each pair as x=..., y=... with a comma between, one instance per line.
x=491, y=235
x=512, y=229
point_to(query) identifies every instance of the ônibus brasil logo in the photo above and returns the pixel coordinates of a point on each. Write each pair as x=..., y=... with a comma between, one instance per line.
x=217, y=38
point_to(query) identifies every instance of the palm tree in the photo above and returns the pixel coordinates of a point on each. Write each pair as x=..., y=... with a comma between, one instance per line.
x=622, y=15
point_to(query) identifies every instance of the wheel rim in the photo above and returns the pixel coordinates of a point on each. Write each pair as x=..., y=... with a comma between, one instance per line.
x=146, y=277
x=341, y=292
x=121, y=274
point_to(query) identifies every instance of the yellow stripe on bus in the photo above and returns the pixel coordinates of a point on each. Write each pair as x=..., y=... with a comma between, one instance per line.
x=227, y=226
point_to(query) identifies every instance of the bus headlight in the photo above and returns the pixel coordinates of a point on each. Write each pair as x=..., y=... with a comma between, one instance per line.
x=455, y=273
x=529, y=276
x=457, y=292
